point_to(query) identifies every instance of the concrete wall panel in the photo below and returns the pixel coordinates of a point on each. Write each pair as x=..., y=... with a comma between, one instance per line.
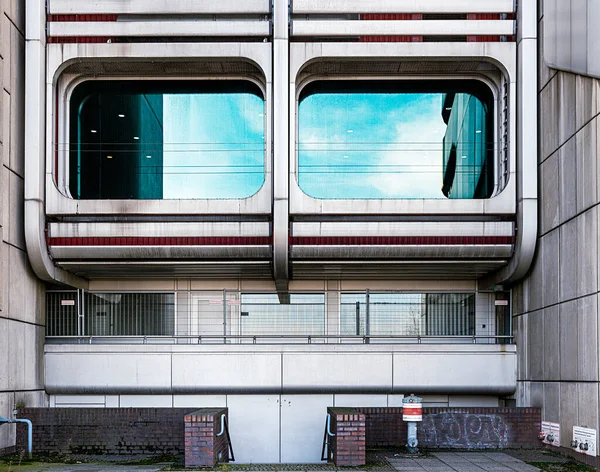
x=548, y=103
x=567, y=187
x=568, y=260
x=549, y=184
x=536, y=343
x=568, y=340
x=551, y=401
x=551, y=361
x=586, y=139
x=548, y=249
x=587, y=253
x=587, y=338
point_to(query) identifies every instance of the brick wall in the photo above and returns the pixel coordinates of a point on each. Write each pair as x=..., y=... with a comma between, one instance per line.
x=441, y=428
x=479, y=428
x=384, y=427
x=348, y=445
x=464, y=428
x=104, y=430
x=203, y=448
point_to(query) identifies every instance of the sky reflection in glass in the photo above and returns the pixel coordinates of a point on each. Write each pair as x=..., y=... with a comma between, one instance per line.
x=371, y=145
x=213, y=145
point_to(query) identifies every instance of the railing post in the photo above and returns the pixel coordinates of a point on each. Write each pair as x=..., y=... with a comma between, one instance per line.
x=224, y=316
x=367, y=318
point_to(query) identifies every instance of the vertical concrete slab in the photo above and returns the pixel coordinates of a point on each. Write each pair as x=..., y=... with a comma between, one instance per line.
x=587, y=338
x=17, y=92
x=587, y=397
x=4, y=385
x=550, y=275
x=566, y=107
x=568, y=410
x=7, y=432
x=568, y=341
x=549, y=354
x=586, y=139
x=568, y=183
x=520, y=325
x=536, y=394
x=549, y=189
x=586, y=99
x=568, y=260
x=536, y=345
x=544, y=72
x=551, y=402
x=587, y=253
x=548, y=101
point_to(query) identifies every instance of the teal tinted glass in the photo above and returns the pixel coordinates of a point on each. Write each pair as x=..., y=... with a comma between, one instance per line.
x=395, y=140
x=166, y=140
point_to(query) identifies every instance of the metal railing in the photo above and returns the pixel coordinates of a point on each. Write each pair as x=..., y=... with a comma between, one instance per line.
x=232, y=317
x=275, y=339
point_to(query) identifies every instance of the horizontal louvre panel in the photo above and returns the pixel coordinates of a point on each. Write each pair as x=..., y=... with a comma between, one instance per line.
x=162, y=8
x=159, y=28
x=328, y=28
x=402, y=6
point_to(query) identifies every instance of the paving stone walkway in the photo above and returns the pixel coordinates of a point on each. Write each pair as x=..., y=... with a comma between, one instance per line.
x=492, y=461
x=461, y=462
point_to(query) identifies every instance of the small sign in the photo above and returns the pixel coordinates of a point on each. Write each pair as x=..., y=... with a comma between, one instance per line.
x=551, y=432
x=501, y=302
x=586, y=440
x=67, y=302
x=215, y=302
x=233, y=302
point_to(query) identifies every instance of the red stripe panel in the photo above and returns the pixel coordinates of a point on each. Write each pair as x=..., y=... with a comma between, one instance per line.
x=92, y=17
x=79, y=39
x=164, y=241
x=391, y=39
x=400, y=240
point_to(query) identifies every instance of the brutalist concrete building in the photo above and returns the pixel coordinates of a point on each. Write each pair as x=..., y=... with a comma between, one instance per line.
x=278, y=207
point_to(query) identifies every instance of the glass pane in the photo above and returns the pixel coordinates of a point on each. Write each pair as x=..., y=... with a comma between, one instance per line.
x=408, y=314
x=130, y=314
x=395, y=139
x=166, y=140
x=262, y=314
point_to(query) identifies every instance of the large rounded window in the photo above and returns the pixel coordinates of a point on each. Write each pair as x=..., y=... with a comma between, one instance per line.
x=396, y=139
x=166, y=139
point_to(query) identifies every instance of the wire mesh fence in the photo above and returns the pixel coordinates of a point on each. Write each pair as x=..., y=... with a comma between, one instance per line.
x=234, y=317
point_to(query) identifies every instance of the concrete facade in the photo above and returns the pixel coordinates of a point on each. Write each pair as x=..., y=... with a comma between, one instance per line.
x=21, y=293
x=556, y=306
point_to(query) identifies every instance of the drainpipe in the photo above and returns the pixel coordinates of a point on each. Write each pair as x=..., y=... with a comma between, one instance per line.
x=35, y=145
x=29, y=430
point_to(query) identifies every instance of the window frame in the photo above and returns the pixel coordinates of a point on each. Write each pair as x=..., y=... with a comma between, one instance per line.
x=64, y=154
x=495, y=126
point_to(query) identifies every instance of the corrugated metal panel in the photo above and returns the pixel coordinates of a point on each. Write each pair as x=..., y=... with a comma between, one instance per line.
x=400, y=240
x=163, y=241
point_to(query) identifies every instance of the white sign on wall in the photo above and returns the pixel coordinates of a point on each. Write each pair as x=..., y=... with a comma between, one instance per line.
x=551, y=433
x=586, y=439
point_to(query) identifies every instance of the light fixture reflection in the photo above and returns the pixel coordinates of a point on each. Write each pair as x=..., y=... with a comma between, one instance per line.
x=121, y=115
